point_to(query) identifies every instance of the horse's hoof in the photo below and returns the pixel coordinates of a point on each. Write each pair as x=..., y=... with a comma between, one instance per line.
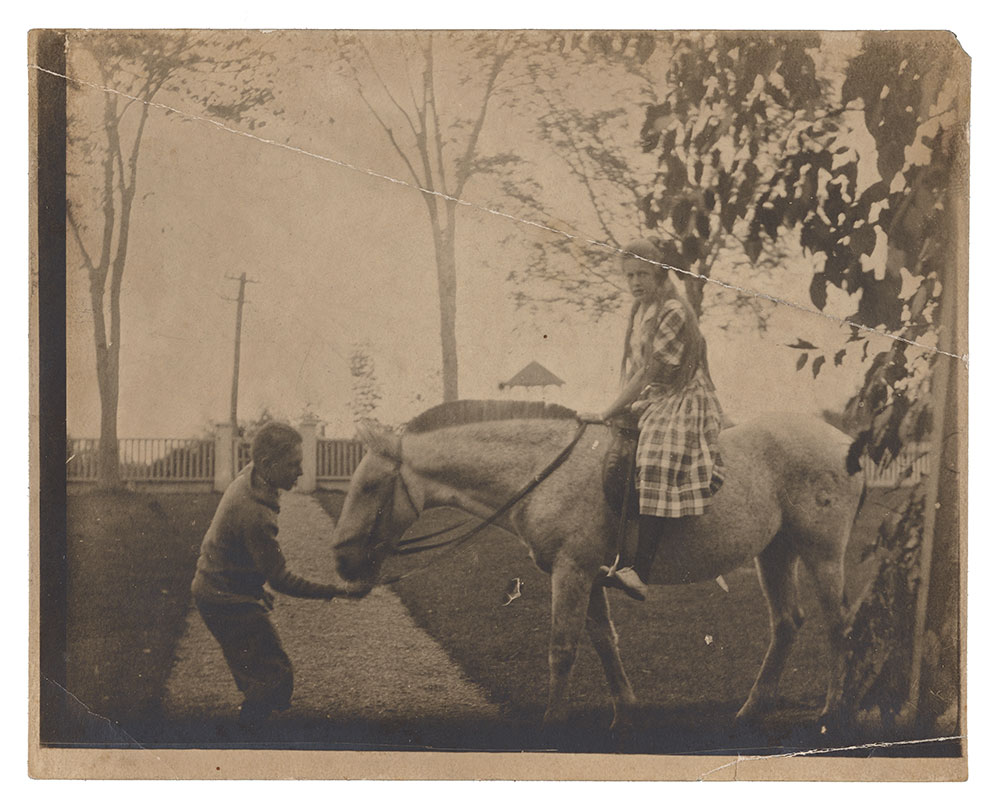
x=622, y=724
x=832, y=721
x=748, y=712
x=750, y=715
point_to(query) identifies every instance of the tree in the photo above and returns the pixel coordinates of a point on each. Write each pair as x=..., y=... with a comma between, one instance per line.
x=407, y=92
x=129, y=70
x=248, y=427
x=365, y=393
x=891, y=235
x=730, y=102
x=717, y=113
x=578, y=88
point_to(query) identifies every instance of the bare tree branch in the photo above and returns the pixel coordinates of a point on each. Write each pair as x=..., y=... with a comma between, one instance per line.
x=392, y=139
x=388, y=92
x=465, y=164
x=431, y=98
x=422, y=143
x=409, y=82
x=584, y=178
x=108, y=200
x=75, y=228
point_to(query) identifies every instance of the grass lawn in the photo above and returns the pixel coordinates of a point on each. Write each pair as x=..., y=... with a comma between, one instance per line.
x=131, y=557
x=692, y=652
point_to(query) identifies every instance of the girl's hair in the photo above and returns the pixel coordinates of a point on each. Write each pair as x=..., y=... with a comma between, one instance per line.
x=695, y=352
x=272, y=441
x=643, y=248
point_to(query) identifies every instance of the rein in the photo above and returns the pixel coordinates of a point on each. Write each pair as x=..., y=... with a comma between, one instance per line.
x=407, y=546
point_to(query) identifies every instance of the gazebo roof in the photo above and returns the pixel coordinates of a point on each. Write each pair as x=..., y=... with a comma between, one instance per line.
x=532, y=375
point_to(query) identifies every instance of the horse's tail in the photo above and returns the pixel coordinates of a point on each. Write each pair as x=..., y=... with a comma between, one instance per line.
x=861, y=499
x=853, y=465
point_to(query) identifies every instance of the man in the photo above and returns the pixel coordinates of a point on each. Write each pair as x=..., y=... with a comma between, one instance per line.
x=239, y=554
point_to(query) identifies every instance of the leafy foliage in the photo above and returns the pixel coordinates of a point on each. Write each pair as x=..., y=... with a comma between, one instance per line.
x=880, y=642
x=365, y=390
x=713, y=130
x=719, y=135
x=888, y=234
x=248, y=427
x=591, y=137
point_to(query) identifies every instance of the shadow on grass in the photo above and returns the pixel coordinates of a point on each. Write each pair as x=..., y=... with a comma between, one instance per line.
x=691, y=652
x=130, y=560
x=707, y=730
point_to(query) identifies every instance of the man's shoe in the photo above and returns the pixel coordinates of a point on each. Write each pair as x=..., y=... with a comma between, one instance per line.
x=625, y=579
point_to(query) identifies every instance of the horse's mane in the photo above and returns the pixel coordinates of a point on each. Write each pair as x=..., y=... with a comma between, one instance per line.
x=458, y=413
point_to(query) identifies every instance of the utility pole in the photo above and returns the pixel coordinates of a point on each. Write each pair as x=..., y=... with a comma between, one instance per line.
x=236, y=351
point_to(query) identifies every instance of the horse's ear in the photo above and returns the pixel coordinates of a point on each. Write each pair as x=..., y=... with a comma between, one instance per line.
x=381, y=440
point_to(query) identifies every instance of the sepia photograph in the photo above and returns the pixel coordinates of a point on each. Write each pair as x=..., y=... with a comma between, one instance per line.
x=505, y=404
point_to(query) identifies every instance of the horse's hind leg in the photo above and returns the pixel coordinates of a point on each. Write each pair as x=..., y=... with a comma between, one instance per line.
x=570, y=593
x=776, y=569
x=605, y=640
x=828, y=571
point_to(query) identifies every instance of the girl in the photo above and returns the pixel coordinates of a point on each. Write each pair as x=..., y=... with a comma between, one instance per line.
x=665, y=381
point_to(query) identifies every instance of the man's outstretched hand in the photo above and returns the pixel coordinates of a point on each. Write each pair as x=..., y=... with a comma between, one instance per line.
x=347, y=589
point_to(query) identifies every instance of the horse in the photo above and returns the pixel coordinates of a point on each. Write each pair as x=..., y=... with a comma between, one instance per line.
x=787, y=496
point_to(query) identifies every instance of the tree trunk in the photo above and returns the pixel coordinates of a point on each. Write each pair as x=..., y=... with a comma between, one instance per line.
x=695, y=290
x=940, y=679
x=109, y=341
x=444, y=248
x=108, y=352
x=940, y=696
x=937, y=664
x=108, y=470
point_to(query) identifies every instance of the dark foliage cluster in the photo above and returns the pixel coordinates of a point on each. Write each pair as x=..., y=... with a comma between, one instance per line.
x=718, y=134
x=890, y=242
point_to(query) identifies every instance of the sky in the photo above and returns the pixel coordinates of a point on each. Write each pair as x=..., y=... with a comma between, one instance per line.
x=341, y=257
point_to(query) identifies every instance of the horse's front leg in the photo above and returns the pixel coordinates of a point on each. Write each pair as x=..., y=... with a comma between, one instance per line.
x=605, y=639
x=570, y=595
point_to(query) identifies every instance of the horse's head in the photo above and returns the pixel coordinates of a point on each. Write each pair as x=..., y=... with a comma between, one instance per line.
x=378, y=509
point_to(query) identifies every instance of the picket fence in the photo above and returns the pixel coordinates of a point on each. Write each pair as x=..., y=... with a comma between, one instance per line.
x=145, y=459
x=912, y=463
x=329, y=461
x=153, y=461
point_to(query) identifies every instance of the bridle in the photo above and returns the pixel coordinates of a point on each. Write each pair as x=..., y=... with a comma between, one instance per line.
x=413, y=545
x=401, y=480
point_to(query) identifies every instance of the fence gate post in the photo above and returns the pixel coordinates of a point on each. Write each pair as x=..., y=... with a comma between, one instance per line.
x=307, y=428
x=223, y=473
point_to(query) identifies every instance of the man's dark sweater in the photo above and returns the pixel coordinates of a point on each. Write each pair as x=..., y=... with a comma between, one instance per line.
x=240, y=551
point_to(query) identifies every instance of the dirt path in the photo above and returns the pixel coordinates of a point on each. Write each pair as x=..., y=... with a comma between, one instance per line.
x=352, y=659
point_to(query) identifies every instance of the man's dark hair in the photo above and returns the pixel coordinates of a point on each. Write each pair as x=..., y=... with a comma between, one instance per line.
x=272, y=441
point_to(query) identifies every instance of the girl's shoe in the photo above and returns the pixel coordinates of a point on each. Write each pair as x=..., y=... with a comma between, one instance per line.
x=625, y=579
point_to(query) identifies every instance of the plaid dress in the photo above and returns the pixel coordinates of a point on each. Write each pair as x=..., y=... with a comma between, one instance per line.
x=678, y=464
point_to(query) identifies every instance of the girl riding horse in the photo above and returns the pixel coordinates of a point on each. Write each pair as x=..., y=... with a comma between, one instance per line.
x=665, y=382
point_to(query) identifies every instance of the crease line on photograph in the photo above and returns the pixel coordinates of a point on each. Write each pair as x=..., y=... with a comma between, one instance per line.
x=112, y=724
x=519, y=220
x=824, y=751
